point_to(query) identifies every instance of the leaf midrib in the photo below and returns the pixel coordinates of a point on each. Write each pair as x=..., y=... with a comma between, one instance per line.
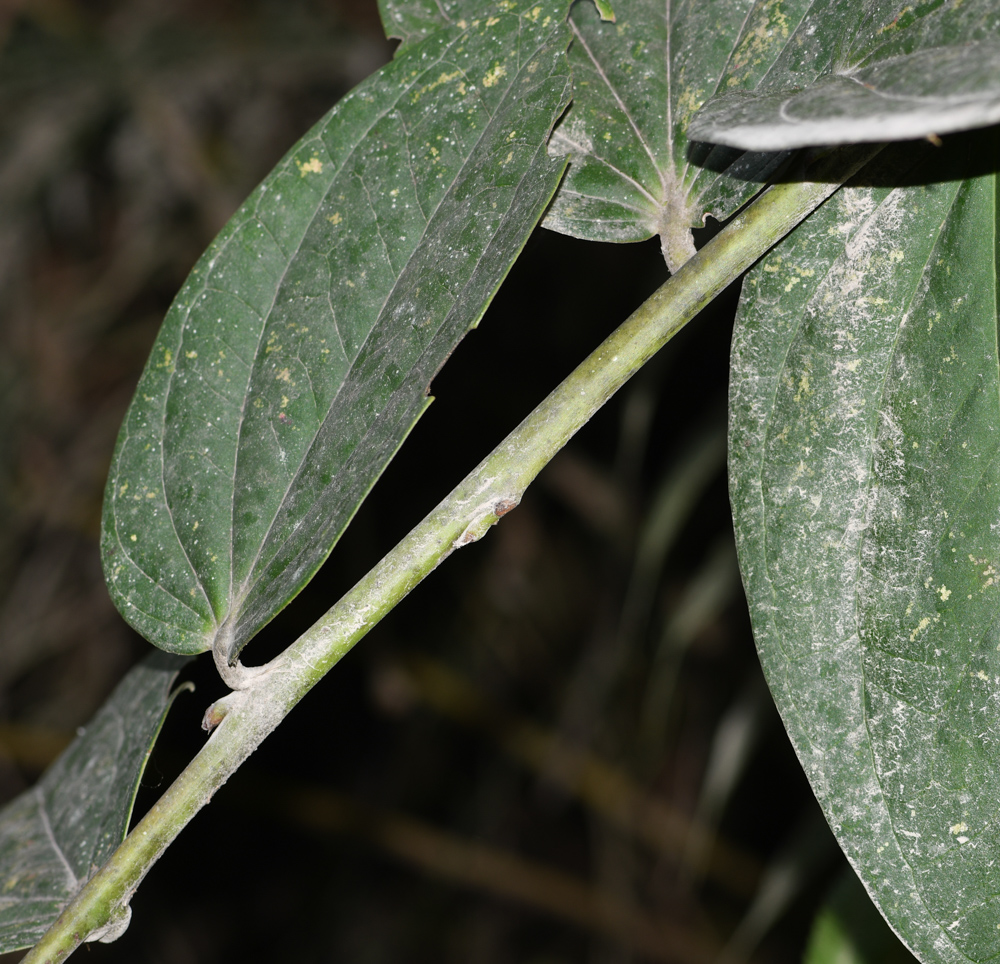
x=253, y=579
x=290, y=255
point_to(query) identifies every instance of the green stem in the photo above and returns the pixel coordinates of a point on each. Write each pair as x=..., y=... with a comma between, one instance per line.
x=245, y=717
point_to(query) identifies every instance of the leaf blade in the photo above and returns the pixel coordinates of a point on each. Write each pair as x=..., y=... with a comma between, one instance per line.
x=50, y=844
x=634, y=173
x=297, y=357
x=904, y=72
x=865, y=394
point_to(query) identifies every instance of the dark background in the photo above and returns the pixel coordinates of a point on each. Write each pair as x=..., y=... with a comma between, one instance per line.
x=454, y=790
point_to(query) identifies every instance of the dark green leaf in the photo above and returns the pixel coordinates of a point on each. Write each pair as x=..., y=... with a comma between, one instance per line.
x=56, y=835
x=413, y=20
x=880, y=70
x=865, y=483
x=636, y=83
x=298, y=355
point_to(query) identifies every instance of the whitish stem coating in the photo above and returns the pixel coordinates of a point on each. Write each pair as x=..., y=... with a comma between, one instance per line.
x=242, y=720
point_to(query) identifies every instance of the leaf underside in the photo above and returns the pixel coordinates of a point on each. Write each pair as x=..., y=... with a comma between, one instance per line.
x=636, y=83
x=411, y=21
x=865, y=484
x=881, y=70
x=54, y=836
x=298, y=354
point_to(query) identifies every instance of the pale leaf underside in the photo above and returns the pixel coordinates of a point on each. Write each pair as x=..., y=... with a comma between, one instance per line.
x=896, y=72
x=634, y=173
x=865, y=483
x=57, y=834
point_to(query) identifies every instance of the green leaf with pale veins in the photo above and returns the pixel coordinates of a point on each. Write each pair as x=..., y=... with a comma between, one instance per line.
x=865, y=484
x=414, y=20
x=54, y=836
x=298, y=354
x=850, y=71
x=636, y=83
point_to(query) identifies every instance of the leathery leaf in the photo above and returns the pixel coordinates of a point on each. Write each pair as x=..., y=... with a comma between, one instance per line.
x=298, y=354
x=865, y=483
x=634, y=172
x=857, y=70
x=54, y=836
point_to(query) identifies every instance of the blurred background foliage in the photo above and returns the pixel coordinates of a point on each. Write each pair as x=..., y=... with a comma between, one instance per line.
x=560, y=748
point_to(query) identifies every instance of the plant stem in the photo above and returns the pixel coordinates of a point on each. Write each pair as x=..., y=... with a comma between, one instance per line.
x=245, y=717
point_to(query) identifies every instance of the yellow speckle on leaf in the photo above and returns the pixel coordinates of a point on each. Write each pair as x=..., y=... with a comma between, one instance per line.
x=534, y=14
x=133, y=537
x=792, y=282
x=508, y=158
x=944, y=593
x=190, y=354
x=492, y=21
x=981, y=675
x=959, y=827
x=434, y=84
x=283, y=376
x=607, y=135
x=690, y=99
x=313, y=166
x=195, y=526
x=894, y=23
x=348, y=282
x=895, y=256
x=335, y=218
x=492, y=78
x=123, y=488
x=284, y=401
x=921, y=626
